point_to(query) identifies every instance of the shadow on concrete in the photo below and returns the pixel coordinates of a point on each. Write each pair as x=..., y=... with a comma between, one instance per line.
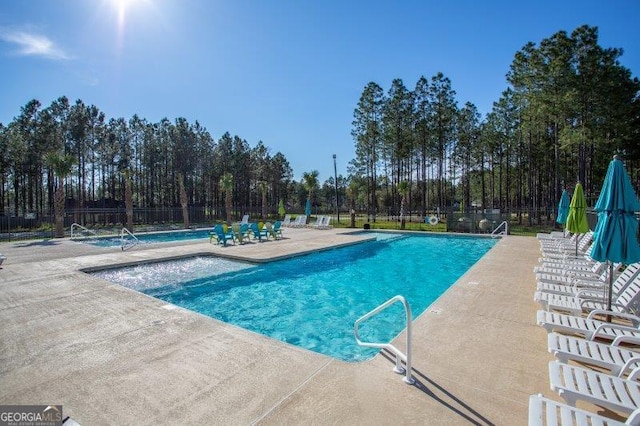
x=444, y=397
x=39, y=243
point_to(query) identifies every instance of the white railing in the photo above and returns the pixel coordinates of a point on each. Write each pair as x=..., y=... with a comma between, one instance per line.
x=126, y=242
x=388, y=346
x=502, y=229
x=83, y=232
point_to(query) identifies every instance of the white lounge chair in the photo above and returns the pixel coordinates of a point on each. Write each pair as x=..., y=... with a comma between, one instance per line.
x=318, y=223
x=245, y=220
x=553, y=235
x=571, y=278
x=584, y=261
x=560, y=244
x=565, y=242
x=577, y=383
x=565, y=272
x=589, y=327
x=2, y=258
x=568, y=250
x=626, y=295
x=614, y=358
x=300, y=222
x=544, y=411
x=597, y=285
x=287, y=220
x=326, y=224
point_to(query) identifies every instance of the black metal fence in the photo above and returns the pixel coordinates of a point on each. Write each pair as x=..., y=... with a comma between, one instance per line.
x=111, y=220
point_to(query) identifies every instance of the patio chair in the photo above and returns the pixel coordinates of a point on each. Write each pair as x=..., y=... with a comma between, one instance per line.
x=563, y=273
x=567, y=250
x=564, y=261
x=221, y=235
x=553, y=235
x=558, y=242
x=2, y=258
x=614, y=358
x=300, y=222
x=544, y=411
x=326, y=224
x=245, y=220
x=240, y=232
x=318, y=223
x=277, y=229
x=576, y=383
x=625, y=290
x=287, y=220
x=258, y=232
x=590, y=327
x=597, y=285
x=271, y=230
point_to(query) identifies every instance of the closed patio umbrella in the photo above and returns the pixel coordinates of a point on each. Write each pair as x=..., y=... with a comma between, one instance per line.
x=563, y=208
x=577, y=218
x=616, y=233
x=281, y=210
x=307, y=208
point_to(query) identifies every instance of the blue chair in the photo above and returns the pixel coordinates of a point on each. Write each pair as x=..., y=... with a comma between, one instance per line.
x=241, y=232
x=259, y=233
x=221, y=235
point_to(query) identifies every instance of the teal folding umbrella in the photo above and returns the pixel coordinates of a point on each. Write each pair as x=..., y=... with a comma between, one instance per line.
x=563, y=207
x=577, y=217
x=616, y=233
x=307, y=208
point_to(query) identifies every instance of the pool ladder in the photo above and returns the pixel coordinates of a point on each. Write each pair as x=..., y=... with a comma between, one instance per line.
x=78, y=230
x=125, y=242
x=388, y=346
x=502, y=229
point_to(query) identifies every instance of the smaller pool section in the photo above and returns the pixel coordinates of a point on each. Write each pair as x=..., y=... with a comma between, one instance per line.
x=313, y=300
x=156, y=237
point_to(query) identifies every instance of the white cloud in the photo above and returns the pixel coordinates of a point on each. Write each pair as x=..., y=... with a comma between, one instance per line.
x=30, y=44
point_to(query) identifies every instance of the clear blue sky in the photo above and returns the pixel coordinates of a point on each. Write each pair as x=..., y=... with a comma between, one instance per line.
x=287, y=72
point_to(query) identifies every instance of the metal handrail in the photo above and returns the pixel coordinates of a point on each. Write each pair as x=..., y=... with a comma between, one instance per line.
x=83, y=230
x=399, y=355
x=505, y=231
x=124, y=245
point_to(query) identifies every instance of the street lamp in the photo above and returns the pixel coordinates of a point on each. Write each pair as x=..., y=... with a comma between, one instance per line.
x=335, y=175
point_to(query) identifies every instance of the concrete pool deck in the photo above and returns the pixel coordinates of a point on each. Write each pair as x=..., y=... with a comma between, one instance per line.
x=110, y=355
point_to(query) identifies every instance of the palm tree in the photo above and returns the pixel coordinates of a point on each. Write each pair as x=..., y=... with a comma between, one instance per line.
x=226, y=186
x=310, y=181
x=262, y=187
x=403, y=189
x=61, y=165
x=352, y=192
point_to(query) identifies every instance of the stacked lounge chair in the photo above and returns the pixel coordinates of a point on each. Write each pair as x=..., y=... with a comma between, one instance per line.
x=597, y=351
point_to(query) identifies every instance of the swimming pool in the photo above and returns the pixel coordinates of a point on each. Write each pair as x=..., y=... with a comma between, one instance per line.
x=313, y=300
x=155, y=237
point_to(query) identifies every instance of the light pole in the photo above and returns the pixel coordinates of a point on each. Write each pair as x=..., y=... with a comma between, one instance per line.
x=335, y=175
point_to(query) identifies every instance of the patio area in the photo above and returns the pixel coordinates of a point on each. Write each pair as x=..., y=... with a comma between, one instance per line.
x=110, y=355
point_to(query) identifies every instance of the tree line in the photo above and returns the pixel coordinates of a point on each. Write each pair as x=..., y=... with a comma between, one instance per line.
x=160, y=160
x=568, y=108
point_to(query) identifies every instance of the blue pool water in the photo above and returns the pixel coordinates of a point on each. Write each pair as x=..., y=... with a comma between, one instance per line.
x=156, y=237
x=313, y=301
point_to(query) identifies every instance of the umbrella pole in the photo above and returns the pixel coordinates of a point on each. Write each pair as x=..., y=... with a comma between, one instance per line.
x=610, y=289
x=577, y=238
